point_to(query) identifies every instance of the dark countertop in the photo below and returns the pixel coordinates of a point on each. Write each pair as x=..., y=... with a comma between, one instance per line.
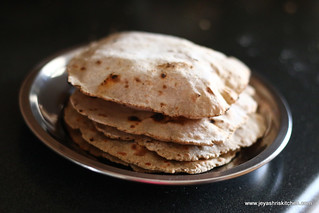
x=278, y=39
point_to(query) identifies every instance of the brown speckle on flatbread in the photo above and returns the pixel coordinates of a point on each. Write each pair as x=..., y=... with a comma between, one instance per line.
x=112, y=78
x=164, y=86
x=98, y=62
x=209, y=90
x=134, y=146
x=137, y=79
x=83, y=68
x=172, y=65
x=164, y=66
x=163, y=75
x=122, y=153
x=162, y=104
x=132, y=126
x=160, y=92
x=126, y=83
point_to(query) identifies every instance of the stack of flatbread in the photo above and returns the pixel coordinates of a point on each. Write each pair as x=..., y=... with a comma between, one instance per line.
x=159, y=103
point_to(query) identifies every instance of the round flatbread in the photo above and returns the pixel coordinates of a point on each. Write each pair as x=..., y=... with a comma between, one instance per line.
x=205, y=131
x=133, y=153
x=160, y=73
x=244, y=136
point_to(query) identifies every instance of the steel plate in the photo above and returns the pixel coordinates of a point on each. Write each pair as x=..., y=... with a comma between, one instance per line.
x=45, y=92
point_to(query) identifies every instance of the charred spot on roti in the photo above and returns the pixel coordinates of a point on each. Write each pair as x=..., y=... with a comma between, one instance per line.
x=134, y=118
x=137, y=79
x=114, y=77
x=158, y=117
x=134, y=146
x=91, y=139
x=164, y=86
x=132, y=126
x=162, y=104
x=98, y=62
x=163, y=75
x=83, y=68
x=160, y=92
x=148, y=164
x=111, y=78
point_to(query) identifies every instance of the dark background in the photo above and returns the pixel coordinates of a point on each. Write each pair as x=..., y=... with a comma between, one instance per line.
x=278, y=39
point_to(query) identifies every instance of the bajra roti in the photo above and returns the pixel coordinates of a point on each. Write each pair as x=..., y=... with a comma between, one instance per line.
x=244, y=136
x=206, y=131
x=160, y=73
x=133, y=153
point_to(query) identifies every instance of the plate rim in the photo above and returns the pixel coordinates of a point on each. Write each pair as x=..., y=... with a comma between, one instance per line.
x=279, y=143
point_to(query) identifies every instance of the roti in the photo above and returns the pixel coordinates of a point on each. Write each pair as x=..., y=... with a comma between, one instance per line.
x=133, y=153
x=161, y=73
x=205, y=131
x=244, y=136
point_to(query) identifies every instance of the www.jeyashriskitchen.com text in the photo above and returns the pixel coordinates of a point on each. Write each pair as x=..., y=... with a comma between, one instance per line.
x=278, y=203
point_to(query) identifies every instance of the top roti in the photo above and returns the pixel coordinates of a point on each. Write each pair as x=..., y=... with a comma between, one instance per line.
x=161, y=73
